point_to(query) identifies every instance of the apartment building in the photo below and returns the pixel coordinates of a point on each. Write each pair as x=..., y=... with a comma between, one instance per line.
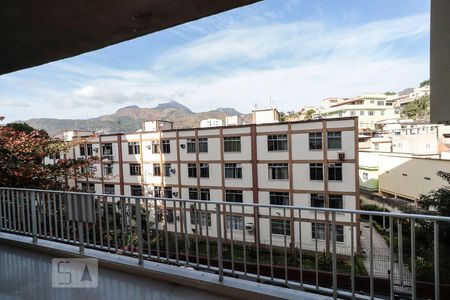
x=370, y=108
x=305, y=163
x=408, y=95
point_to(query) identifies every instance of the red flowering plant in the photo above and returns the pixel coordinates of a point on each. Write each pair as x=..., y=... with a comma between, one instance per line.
x=22, y=156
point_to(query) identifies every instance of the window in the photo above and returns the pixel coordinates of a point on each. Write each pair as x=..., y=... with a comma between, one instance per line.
x=278, y=171
x=82, y=151
x=190, y=146
x=335, y=171
x=380, y=102
x=107, y=149
x=89, y=149
x=235, y=222
x=193, y=194
x=361, y=113
x=233, y=196
x=279, y=198
x=157, y=191
x=339, y=233
x=204, y=170
x=382, y=112
x=282, y=227
x=135, y=169
x=202, y=218
x=376, y=146
x=167, y=168
x=204, y=194
x=109, y=189
x=316, y=171
x=155, y=147
x=232, y=144
x=371, y=113
x=427, y=178
x=318, y=231
x=317, y=200
x=203, y=145
x=165, y=146
x=334, y=140
x=353, y=113
x=88, y=187
x=192, y=170
x=365, y=176
x=167, y=192
x=108, y=170
x=136, y=190
x=233, y=171
x=134, y=148
x=170, y=215
x=156, y=170
x=315, y=140
x=277, y=142
x=372, y=101
x=336, y=201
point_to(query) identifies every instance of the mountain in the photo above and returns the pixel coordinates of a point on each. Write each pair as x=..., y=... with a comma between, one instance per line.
x=130, y=118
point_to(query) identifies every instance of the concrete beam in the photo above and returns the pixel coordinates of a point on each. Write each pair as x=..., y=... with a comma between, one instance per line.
x=440, y=61
x=35, y=32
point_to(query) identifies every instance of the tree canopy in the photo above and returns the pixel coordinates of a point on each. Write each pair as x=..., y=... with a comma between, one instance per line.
x=417, y=109
x=424, y=83
x=438, y=200
x=22, y=156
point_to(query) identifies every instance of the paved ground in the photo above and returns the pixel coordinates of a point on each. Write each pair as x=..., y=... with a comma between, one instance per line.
x=27, y=275
x=381, y=259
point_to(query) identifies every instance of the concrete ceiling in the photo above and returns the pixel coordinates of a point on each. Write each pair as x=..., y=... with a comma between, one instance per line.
x=35, y=32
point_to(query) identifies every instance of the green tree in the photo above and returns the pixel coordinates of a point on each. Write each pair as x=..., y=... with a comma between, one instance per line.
x=309, y=114
x=424, y=83
x=390, y=93
x=438, y=200
x=417, y=109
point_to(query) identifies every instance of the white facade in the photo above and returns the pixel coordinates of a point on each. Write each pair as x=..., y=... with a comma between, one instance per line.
x=408, y=95
x=401, y=175
x=247, y=164
x=265, y=116
x=211, y=123
x=369, y=108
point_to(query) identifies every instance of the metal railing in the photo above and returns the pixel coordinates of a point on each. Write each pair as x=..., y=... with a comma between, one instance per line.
x=298, y=247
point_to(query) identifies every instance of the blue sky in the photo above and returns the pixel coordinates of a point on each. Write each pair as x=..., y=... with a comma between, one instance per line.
x=295, y=52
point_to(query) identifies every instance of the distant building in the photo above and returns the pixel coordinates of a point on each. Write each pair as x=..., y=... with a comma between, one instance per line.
x=264, y=116
x=400, y=175
x=232, y=121
x=370, y=108
x=211, y=123
x=408, y=95
x=69, y=135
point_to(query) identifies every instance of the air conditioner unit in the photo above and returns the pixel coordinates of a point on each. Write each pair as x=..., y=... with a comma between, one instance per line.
x=341, y=155
x=172, y=171
x=149, y=147
x=249, y=226
x=150, y=192
x=182, y=146
x=96, y=150
x=175, y=194
x=193, y=228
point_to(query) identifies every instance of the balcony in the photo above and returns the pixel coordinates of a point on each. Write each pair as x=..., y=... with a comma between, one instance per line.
x=234, y=249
